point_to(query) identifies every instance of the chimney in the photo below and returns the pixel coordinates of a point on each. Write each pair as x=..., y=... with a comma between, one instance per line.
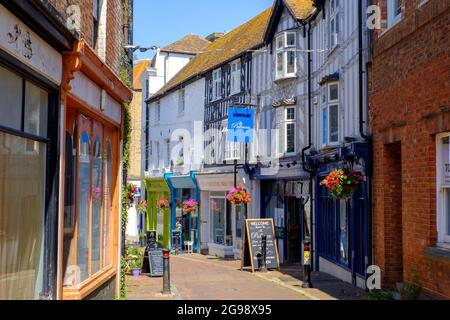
x=214, y=36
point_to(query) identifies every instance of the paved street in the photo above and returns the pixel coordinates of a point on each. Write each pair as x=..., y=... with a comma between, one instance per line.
x=196, y=277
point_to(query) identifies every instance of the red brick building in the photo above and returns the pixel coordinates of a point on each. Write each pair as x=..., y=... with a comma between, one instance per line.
x=410, y=117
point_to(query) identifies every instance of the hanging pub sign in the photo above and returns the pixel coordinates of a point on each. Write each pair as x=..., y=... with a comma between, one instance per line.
x=241, y=124
x=252, y=244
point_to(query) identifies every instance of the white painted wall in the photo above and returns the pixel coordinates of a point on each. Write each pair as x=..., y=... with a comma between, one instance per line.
x=173, y=124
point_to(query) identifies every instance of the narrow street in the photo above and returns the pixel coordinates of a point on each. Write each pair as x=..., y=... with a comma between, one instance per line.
x=196, y=277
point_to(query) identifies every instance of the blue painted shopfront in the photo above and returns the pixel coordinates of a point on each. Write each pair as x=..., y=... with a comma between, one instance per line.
x=182, y=188
x=342, y=227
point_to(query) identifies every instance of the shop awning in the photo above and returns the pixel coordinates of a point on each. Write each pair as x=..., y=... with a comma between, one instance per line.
x=182, y=182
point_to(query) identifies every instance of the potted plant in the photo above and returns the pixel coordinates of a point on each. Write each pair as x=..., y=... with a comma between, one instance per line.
x=342, y=183
x=239, y=196
x=136, y=266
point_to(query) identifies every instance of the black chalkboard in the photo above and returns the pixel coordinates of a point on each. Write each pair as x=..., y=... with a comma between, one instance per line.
x=254, y=230
x=156, y=263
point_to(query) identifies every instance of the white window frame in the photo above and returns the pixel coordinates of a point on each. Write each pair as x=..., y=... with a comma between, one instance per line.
x=235, y=76
x=392, y=18
x=168, y=155
x=181, y=101
x=158, y=111
x=157, y=157
x=282, y=47
x=334, y=23
x=217, y=84
x=232, y=150
x=288, y=122
x=441, y=215
x=327, y=105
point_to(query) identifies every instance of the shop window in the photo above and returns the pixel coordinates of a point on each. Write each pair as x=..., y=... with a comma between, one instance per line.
x=241, y=215
x=443, y=192
x=218, y=213
x=23, y=180
x=22, y=198
x=93, y=194
x=11, y=88
x=286, y=55
x=343, y=232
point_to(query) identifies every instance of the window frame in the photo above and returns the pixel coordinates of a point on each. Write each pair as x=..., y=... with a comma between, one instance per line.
x=95, y=22
x=158, y=112
x=181, y=101
x=441, y=216
x=326, y=117
x=333, y=40
x=391, y=7
x=284, y=49
x=217, y=84
x=289, y=122
x=235, y=77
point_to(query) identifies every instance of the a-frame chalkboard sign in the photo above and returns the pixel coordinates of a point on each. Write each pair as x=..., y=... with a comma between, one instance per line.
x=251, y=244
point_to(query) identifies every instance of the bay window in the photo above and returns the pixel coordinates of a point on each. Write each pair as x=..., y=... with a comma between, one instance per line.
x=330, y=115
x=334, y=24
x=443, y=186
x=286, y=55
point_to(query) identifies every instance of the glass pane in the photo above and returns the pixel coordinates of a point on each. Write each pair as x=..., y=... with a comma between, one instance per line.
x=280, y=63
x=11, y=99
x=290, y=138
x=217, y=208
x=280, y=41
x=291, y=62
x=241, y=215
x=36, y=110
x=107, y=213
x=324, y=126
x=290, y=39
x=84, y=193
x=97, y=194
x=334, y=124
x=447, y=210
x=22, y=206
x=445, y=156
x=334, y=92
x=290, y=114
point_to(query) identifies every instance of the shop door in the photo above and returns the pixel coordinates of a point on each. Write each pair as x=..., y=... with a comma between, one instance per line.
x=293, y=229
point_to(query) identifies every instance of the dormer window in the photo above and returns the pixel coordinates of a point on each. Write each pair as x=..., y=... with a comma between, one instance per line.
x=286, y=55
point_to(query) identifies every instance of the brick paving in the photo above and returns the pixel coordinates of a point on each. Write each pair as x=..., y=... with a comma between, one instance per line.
x=198, y=277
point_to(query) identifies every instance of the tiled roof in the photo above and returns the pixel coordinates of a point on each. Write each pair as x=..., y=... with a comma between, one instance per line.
x=189, y=44
x=230, y=46
x=137, y=72
x=300, y=9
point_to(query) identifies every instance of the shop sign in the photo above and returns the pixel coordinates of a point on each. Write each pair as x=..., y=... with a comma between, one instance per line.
x=22, y=43
x=241, y=124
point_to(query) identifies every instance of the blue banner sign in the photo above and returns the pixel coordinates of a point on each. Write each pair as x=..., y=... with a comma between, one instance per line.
x=241, y=124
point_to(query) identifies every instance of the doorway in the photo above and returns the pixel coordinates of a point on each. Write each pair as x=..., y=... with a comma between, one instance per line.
x=293, y=224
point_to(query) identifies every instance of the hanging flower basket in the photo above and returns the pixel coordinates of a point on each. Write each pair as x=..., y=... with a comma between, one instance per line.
x=239, y=196
x=342, y=183
x=162, y=204
x=190, y=206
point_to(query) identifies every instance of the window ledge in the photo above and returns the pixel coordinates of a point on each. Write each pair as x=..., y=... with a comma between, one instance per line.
x=438, y=253
x=89, y=285
x=284, y=78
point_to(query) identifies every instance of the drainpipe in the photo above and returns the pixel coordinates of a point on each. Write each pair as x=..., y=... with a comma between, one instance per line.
x=361, y=72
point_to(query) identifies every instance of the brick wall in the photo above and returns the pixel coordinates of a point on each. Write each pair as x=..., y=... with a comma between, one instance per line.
x=409, y=85
x=115, y=15
x=134, y=172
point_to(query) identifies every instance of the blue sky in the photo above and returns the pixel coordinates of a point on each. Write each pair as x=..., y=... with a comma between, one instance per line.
x=163, y=22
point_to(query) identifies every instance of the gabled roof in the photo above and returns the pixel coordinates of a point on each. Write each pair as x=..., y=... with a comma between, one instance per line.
x=299, y=9
x=227, y=48
x=191, y=44
x=138, y=70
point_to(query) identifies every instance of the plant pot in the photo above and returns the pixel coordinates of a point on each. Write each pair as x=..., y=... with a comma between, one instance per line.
x=136, y=272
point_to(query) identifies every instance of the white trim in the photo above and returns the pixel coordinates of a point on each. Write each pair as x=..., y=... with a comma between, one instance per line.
x=441, y=215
